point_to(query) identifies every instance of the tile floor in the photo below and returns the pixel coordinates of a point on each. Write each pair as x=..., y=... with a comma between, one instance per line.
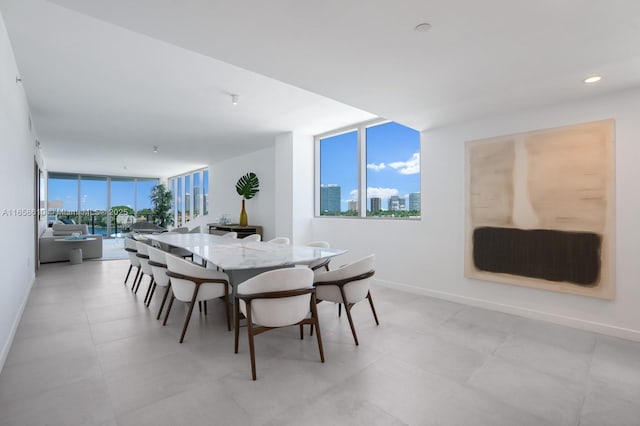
x=87, y=352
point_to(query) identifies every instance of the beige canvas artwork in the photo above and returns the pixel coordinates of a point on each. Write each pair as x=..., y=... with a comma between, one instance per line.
x=540, y=209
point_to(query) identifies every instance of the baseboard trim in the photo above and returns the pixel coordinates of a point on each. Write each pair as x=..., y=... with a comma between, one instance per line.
x=606, y=329
x=16, y=322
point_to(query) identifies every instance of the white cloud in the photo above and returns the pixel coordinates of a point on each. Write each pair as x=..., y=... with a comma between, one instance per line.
x=410, y=167
x=383, y=193
x=376, y=167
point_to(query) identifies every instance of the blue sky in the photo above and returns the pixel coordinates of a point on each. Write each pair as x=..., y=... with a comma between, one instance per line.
x=393, y=162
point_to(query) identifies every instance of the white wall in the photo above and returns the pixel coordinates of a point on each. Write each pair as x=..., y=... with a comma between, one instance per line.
x=17, y=145
x=223, y=198
x=427, y=256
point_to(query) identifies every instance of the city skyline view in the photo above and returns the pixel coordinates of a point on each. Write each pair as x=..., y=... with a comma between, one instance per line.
x=392, y=164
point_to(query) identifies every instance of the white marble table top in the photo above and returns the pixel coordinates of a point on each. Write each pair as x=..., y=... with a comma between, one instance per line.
x=235, y=254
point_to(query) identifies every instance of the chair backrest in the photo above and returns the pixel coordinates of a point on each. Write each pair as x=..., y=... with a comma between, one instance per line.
x=252, y=237
x=281, y=311
x=180, y=230
x=355, y=290
x=158, y=257
x=144, y=261
x=279, y=240
x=321, y=244
x=183, y=287
x=231, y=234
x=195, y=230
x=130, y=244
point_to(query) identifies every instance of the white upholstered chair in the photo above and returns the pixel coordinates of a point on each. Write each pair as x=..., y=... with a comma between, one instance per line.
x=132, y=249
x=158, y=263
x=322, y=263
x=145, y=268
x=279, y=240
x=192, y=283
x=277, y=298
x=231, y=234
x=252, y=237
x=347, y=285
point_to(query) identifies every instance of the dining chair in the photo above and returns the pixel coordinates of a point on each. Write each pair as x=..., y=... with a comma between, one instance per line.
x=132, y=249
x=180, y=230
x=273, y=299
x=195, y=230
x=145, y=269
x=253, y=237
x=348, y=285
x=158, y=263
x=279, y=240
x=231, y=234
x=191, y=283
x=322, y=263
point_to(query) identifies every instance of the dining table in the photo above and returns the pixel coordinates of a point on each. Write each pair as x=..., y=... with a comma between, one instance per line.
x=242, y=259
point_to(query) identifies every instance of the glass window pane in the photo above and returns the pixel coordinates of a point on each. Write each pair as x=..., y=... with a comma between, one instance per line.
x=123, y=194
x=187, y=198
x=93, y=204
x=205, y=192
x=179, y=200
x=197, y=194
x=393, y=171
x=143, y=198
x=62, y=202
x=339, y=175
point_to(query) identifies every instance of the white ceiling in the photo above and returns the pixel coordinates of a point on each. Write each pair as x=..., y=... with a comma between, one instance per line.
x=107, y=80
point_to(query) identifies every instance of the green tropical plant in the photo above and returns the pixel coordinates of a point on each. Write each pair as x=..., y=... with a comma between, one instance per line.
x=247, y=185
x=161, y=198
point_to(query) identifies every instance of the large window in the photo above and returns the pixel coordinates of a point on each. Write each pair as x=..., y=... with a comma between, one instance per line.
x=190, y=195
x=383, y=157
x=108, y=204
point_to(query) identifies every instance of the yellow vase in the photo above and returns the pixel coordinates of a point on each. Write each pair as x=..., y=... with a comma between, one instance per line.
x=244, y=220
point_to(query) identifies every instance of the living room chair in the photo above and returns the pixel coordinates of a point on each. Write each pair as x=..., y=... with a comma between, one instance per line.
x=132, y=249
x=145, y=269
x=193, y=283
x=252, y=237
x=322, y=263
x=274, y=299
x=195, y=230
x=279, y=240
x=158, y=263
x=347, y=285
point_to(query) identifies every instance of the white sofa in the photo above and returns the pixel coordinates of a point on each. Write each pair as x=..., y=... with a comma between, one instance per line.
x=58, y=251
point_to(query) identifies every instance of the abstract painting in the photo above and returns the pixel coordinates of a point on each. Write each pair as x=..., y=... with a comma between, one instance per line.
x=540, y=209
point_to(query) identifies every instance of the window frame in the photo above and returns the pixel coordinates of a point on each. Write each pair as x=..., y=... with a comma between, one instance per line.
x=361, y=129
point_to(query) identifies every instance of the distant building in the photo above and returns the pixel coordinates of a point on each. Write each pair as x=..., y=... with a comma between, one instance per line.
x=396, y=203
x=352, y=205
x=330, y=198
x=376, y=204
x=414, y=201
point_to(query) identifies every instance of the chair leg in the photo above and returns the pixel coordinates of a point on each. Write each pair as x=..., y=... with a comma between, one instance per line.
x=128, y=272
x=227, y=308
x=314, y=315
x=200, y=306
x=373, y=309
x=236, y=311
x=166, y=316
x=164, y=299
x=205, y=306
x=146, y=296
x=252, y=353
x=302, y=332
x=339, y=310
x=136, y=278
x=139, y=282
x=188, y=318
x=347, y=309
x=151, y=295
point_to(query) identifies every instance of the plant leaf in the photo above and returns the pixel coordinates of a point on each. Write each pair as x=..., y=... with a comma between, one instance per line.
x=247, y=185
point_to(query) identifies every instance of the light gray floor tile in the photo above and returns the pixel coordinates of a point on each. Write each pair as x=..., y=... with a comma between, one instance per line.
x=556, y=401
x=87, y=348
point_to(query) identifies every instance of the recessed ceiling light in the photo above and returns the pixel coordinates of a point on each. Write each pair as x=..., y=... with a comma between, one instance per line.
x=235, y=99
x=592, y=79
x=423, y=28
x=155, y=149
